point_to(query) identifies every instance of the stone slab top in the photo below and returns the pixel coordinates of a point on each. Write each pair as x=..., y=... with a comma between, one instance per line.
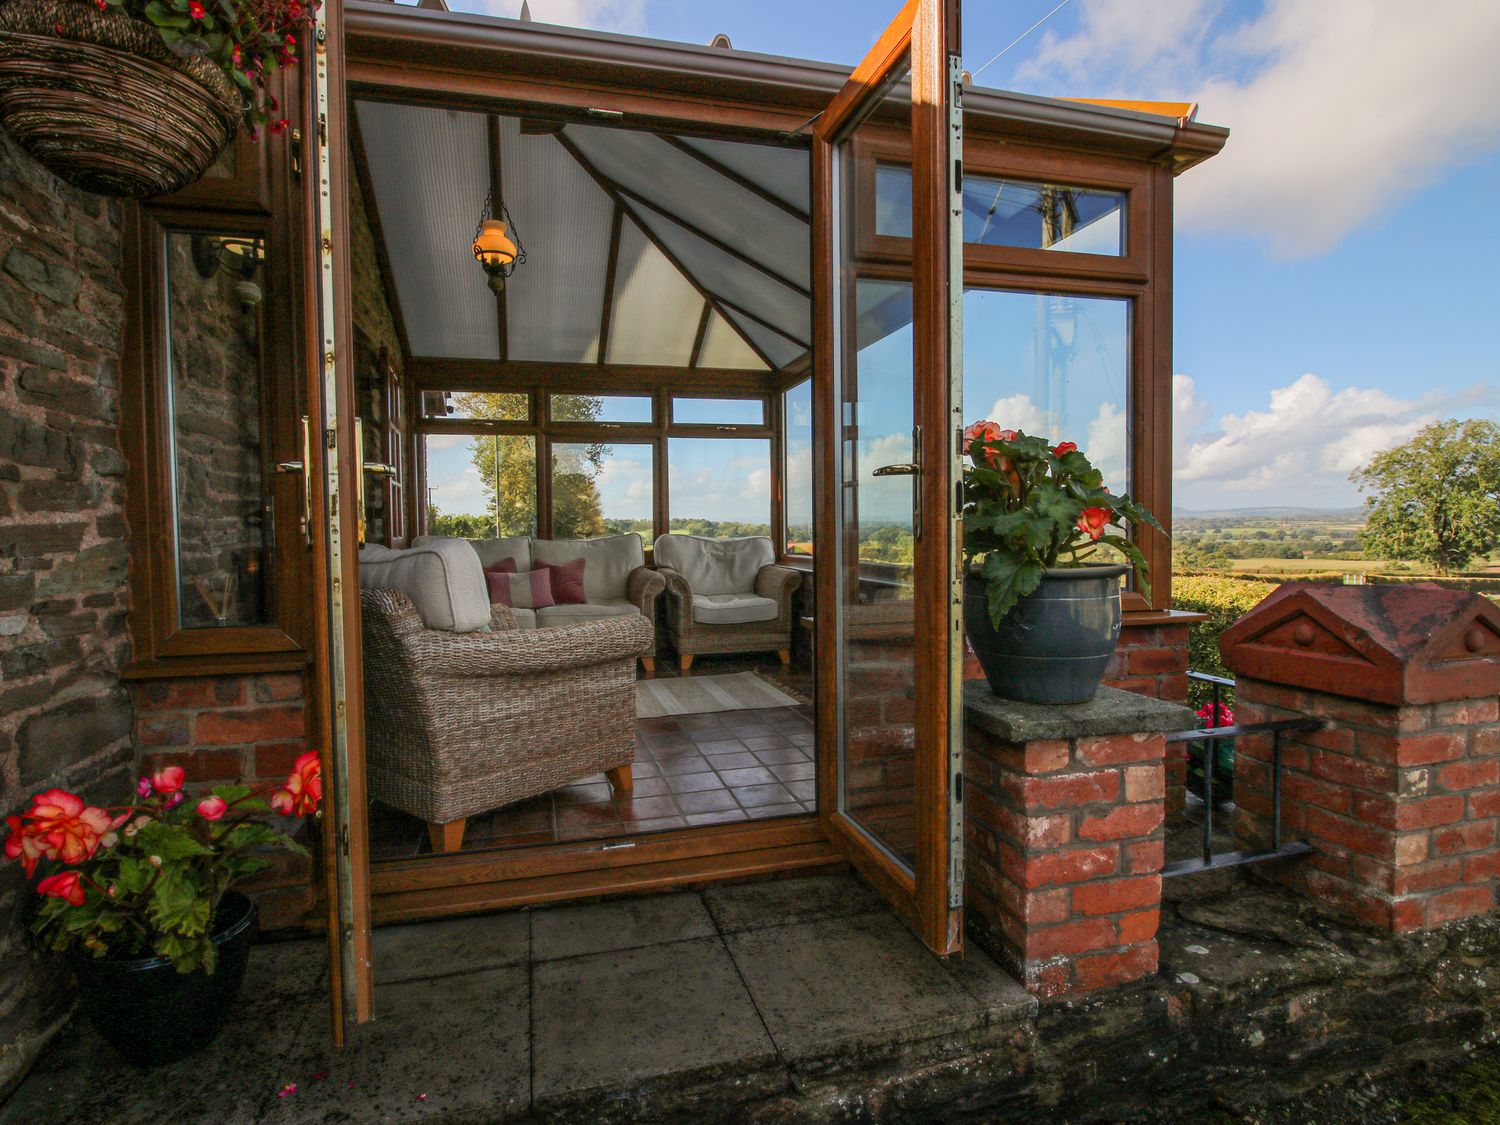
x=1111, y=711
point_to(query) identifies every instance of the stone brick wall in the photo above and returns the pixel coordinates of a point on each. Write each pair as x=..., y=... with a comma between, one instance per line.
x=1401, y=803
x=64, y=718
x=1151, y=660
x=376, y=325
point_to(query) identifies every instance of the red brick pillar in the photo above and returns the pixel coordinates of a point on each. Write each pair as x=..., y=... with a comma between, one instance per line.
x=1063, y=835
x=1400, y=792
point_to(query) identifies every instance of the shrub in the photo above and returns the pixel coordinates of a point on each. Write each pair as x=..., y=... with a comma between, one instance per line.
x=1224, y=601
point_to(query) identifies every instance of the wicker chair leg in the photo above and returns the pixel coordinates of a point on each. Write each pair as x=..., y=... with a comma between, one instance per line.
x=620, y=779
x=649, y=664
x=685, y=662
x=446, y=837
x=786, y=656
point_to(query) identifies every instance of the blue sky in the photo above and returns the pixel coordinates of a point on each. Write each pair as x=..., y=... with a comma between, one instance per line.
x=1337, y=282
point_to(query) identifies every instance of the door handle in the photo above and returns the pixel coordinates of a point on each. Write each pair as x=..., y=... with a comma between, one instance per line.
x=905, y=470
x=909, y=469
x=288, y=467
x=380, y=469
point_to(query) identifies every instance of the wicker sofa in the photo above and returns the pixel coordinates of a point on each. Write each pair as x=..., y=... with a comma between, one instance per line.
x=726, y=596
x=461, y=723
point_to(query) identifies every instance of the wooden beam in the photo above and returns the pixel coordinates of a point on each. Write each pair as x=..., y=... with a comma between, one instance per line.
x=497, y=194
x=708, y=313
x=606, y=185
x=737, y=178
x=432, y=373
x=607, y=305
x=760, y=320
x=717, y=243
x=881, y=65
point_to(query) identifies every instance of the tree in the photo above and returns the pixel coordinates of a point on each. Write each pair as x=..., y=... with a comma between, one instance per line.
x=506, y=465
x=1435, y=498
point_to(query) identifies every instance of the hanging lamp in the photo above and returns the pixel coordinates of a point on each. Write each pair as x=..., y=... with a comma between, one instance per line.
x=497, y=250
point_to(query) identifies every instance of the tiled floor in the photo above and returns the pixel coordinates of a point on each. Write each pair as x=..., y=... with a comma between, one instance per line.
x=689, y=770
x=682, y=1007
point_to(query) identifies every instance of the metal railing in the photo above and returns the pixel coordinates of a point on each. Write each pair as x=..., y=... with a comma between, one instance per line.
x=1208, y=736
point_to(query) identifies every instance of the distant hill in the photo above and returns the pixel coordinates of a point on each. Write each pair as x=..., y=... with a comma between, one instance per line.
x=1338, y=514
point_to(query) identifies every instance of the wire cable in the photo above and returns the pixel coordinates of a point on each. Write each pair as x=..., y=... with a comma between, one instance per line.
x=1020, y=37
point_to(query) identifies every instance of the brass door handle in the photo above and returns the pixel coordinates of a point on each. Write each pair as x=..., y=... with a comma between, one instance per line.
x=380, y=469
x=906, y=470
x=289, y=467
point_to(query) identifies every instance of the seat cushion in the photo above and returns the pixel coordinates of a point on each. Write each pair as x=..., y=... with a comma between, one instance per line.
x=443, y=579
x=490, y=551
x=525, y=618
x=610, y=561
x=555, y=615
x=716, y=566
x=732, y=609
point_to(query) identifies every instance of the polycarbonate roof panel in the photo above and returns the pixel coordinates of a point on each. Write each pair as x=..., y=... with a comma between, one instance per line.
x=554, y=302
x=724, y=347
x=784, y=172
x=656, y=310
x=781, y=350
x=687, y=189
x=725, y=276
x=430, y=170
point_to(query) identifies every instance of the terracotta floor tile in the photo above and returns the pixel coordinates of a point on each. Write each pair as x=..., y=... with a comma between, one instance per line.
x=721, y=746
x=694, y=782
x=656, y=786
x=755, y=776
x=695, y=763
x=582, y=794
x=724, y=816
x=765, y=812
x=710, y=800
x=646, y=808
x=749, y=730
x=742, y=761
x=662, y=824
x=752, y=795
x=779, y=754
x=802, y=790
x=793, y=771
x=765, y=742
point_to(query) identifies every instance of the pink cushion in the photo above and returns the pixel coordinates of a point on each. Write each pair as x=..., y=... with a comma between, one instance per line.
x=532, y=590
x=567, y=581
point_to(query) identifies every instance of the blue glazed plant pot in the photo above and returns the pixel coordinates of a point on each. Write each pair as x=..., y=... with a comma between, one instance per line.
x=151, y=1013
x=1055, y=644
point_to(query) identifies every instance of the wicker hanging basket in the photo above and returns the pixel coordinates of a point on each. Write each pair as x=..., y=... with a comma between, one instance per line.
x=99, y=99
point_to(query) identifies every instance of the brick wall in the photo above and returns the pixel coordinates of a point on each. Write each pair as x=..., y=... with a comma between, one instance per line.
x=64, y=718
x=1151, y=660
x=1064, y=837
x=1401, y=803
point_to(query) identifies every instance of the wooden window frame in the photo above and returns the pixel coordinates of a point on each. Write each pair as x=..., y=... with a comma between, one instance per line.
x=161, y=645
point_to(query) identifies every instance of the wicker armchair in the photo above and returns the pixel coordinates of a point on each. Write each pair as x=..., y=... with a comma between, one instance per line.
x=702, y=621
x=461, y=723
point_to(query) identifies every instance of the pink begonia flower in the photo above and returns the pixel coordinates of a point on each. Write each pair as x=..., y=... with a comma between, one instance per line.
x=213, y=808
x=169, y=780
x=143, y=787
x=64, y=885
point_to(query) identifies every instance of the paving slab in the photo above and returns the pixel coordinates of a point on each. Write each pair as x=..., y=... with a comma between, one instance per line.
x=613, y=1021
x=780, y=902
x=627, y=923
x=451, y=1048
x=833, y=986
x=283, y=972
x=455, y=945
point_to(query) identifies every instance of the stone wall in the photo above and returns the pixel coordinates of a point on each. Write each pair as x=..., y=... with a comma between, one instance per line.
x=64, y=718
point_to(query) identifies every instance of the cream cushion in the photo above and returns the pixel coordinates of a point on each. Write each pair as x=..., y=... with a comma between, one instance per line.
x=549, y=617
x=716, y=566
x=490, y=551
x=525, y=618
x=610, y=560
x=732, y=609
x=443, y=579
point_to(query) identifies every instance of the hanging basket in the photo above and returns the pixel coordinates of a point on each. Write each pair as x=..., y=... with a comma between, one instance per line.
x=100, y=100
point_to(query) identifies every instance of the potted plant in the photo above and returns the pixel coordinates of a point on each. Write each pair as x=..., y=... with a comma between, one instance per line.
x=137, y=98
x=1041, y=606
x=140, y=898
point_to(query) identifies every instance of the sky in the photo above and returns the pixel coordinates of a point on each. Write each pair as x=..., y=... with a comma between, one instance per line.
x=1337, y=278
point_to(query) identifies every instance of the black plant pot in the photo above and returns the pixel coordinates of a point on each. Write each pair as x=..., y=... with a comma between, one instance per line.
x=1054, y=645
x=151, y=1013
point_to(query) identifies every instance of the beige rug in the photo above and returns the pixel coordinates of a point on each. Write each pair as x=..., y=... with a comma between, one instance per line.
x=698, y=695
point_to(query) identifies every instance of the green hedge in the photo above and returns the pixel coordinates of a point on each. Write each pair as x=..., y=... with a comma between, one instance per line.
x=1224, y=601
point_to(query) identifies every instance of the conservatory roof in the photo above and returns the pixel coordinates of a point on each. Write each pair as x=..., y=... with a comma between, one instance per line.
x=642, y=248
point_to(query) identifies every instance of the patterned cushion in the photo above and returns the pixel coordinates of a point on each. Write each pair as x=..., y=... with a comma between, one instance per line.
x=567, y=580
x=532, y=590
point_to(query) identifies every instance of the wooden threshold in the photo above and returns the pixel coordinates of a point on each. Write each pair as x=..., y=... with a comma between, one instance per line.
x=414, y=889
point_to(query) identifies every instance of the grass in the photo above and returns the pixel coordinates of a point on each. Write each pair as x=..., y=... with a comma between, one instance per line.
x=1299, y=566
x=1474, y=1099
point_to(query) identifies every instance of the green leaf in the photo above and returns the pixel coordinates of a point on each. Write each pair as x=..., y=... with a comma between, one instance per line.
x=135, y=875
x=169, y=841
x=1007, y=580
x=179, y=903
x=1137, y=560
x=231, y=793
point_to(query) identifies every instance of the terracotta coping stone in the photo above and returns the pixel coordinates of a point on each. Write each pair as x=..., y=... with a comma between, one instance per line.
x=1111, y=711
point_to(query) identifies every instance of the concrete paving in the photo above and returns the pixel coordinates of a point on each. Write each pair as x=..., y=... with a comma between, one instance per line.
x=685, y=1006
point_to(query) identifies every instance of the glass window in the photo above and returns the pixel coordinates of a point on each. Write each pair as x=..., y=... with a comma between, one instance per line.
x=1052, y=365
x=480, y=486
x=719, y=487
x=719, y=411
x=489, y=406
x=601, y=408
x=1007, y=212
x=219, y=495
x=797, y=484
x=601, y=489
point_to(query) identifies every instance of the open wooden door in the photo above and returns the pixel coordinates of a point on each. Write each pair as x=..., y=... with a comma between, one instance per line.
x=330, y=462
x=887, y=347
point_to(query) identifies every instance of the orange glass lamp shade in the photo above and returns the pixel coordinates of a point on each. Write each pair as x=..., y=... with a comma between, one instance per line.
x=495, y=251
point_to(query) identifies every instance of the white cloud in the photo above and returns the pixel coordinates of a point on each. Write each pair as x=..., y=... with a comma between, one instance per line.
x=1339, y=109
x=602, y=15
x=1301, y=449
